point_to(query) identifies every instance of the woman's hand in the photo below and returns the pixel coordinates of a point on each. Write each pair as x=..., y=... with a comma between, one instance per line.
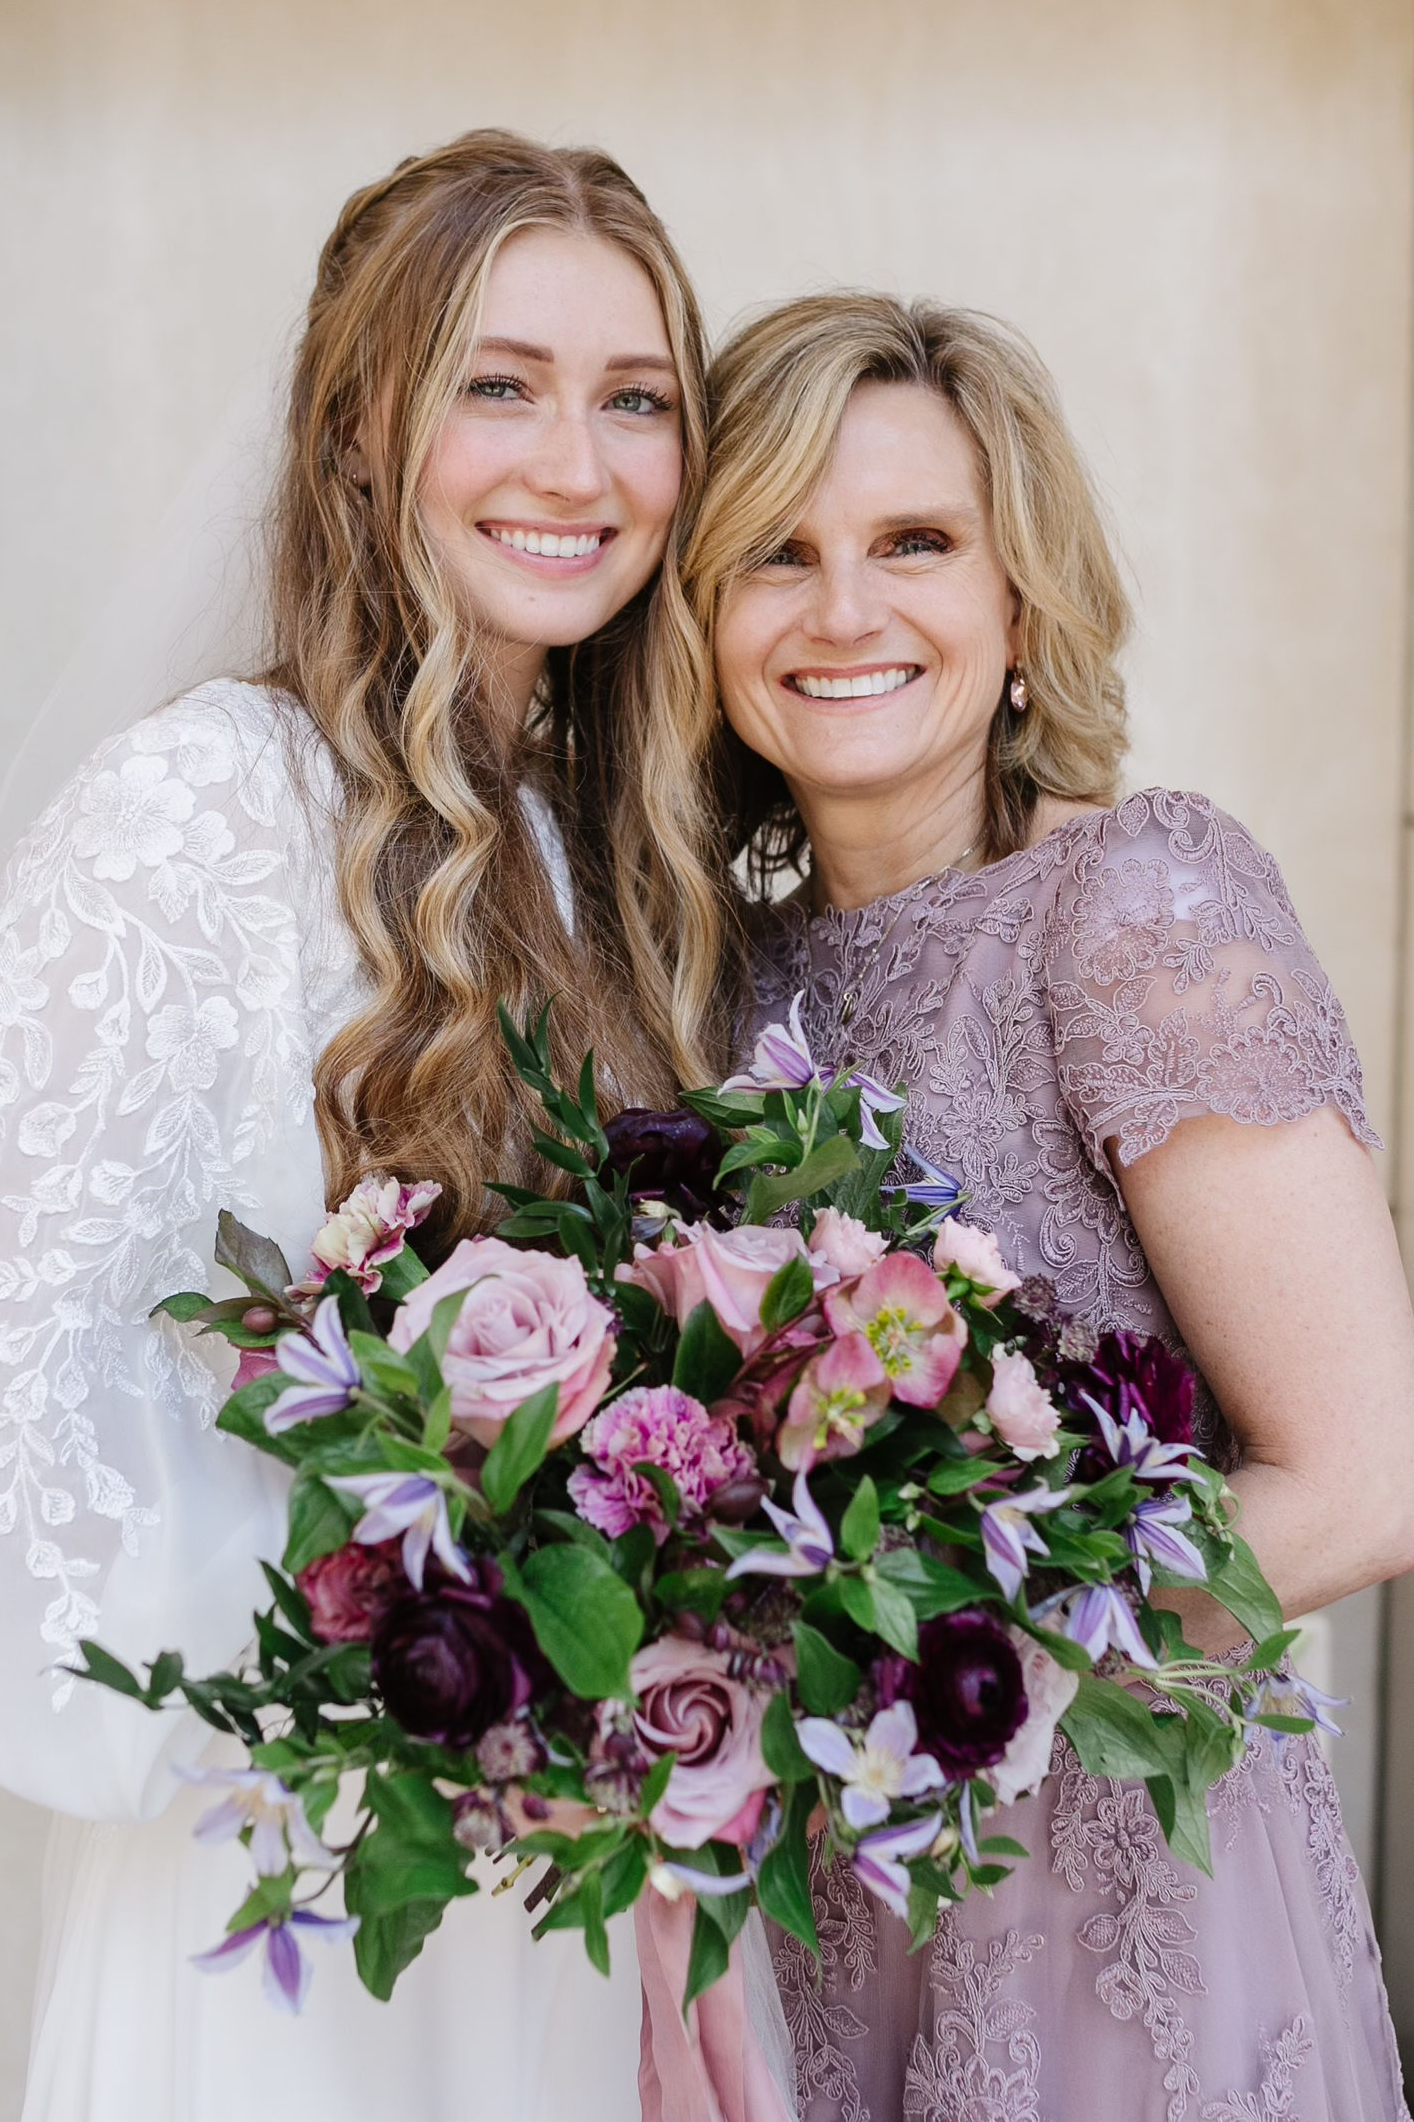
x=1276, y=1254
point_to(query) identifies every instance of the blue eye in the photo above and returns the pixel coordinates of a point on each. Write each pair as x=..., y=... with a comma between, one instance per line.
x=639, y=399
x=497, y=389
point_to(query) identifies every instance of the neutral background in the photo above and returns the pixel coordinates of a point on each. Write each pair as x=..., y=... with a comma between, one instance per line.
x=1199, y=210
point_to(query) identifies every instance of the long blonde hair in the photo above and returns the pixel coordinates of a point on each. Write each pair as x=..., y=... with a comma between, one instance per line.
x=778, y=392
x=438, y=871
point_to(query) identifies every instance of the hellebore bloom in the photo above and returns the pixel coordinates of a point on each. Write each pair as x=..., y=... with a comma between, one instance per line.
x=807, y=1536
x=322, y=1367
x=274, y=1814
x=877, y=1768
x=902, y=1310
x=1152, y=1535
x=967, y=1690
x=1008, y=1535
x=409, y=1504
x=287, y=1972
x=1288, y=1695
x=782, y=1060
x=841, y=1392
x=669, y=1156
x=879, y=1859
x=454, y=1663
x=1100, y=1618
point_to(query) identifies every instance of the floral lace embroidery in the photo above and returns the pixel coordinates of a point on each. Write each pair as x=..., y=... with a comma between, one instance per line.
x=952, y=2078
x=1281, y=2060
x=816, y=2019
x=1310, y=1786
x=152, y=1035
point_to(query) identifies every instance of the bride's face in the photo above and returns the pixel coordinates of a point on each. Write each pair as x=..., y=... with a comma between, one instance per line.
x=551, y=484
x=867, y=656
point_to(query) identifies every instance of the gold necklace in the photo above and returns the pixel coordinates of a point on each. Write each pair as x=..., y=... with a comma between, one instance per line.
x=849, y=1001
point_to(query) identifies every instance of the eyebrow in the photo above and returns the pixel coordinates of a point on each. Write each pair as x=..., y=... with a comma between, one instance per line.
x=937, y=511
x=620, y=362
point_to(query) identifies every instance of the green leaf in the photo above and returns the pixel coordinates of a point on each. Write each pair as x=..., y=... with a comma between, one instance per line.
x=385, y=1944
x=956, y=1475
x=257, y=1261
x=894, y=1618
x=269, y=1897
x=291, y=1602
x=826, y=1163
x=382, y=1367
x=762, y=1146
x=1183, y=1816
x=783, y=1886
x=1235, y=1580
x=931, y=1587
x=1270, y=1651
x=585, y=1618
x=783, y=1753
x=1113, y=1734
x=859, y=1528
x=401, y=1274
x=698, y=1591
x=319, y=1522
x=655, y=1783
x=787, y=1293
x=186, y=1304
x=596, y=1937
x=243, y=1416
x=164, y=1674
x=101, y=1666
x=664, y=1486
x=445, y=1313
x=520, y=1448
x=726, y=1108
x=857, y=1599
x=707, y=1961
x=828, y=1681
x=707, y=1358
x=437, y=1425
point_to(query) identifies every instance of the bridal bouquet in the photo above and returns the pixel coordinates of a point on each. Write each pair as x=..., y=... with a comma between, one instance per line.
x=743, y=1494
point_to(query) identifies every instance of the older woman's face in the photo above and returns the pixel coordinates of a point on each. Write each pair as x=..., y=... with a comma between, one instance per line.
x=867, y=656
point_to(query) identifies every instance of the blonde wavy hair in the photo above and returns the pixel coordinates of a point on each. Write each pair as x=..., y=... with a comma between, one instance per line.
x=778, y=392
x=439, y=874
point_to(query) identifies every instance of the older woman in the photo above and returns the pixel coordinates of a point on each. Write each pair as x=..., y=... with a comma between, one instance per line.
x=1111, y=1026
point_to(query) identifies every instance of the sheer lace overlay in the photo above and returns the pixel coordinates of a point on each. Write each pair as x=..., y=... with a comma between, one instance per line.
x=1136, y=967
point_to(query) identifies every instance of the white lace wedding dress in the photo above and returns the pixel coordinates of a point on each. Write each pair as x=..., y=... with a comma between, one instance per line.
x=172, y=959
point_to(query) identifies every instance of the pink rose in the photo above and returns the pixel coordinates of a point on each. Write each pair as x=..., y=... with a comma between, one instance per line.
x=1050, y=1690
x=350, y=1591
x=689, y=1704
x=1022, y=1416
x=844, y=1243
x=528, y=1321
x=976, y=1254
x=729, y=1269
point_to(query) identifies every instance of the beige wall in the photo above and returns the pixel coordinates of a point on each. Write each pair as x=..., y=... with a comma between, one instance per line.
x=1198, y=208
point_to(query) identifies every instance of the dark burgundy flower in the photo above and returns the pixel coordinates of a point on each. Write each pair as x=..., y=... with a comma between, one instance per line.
x=456, y=1659
x=1131, y=1374
x=666, y=1156
x=349, y=1591
x=967, y=1691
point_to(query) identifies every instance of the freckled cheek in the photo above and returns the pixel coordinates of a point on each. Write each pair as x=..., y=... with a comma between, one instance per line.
x=650, y=480
x=464, y=470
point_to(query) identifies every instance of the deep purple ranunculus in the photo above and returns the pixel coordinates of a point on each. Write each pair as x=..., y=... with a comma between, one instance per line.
x=666, y=1156
x=1131, y=1374
x=451, y=1662
x=967, y=1690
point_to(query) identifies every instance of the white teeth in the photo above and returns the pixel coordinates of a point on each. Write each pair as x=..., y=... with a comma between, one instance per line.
x=548, y=544
x=860, y=688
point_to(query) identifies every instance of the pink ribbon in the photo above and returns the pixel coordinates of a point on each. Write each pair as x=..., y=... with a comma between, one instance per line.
x=706, y=2065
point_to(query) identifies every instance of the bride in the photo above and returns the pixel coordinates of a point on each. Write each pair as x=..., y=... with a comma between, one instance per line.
x=253, y=953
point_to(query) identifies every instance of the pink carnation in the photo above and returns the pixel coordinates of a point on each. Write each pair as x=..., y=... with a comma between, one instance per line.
x=728, y=1269
x=844, y=1243
x=528, y=1321
x=369, y=1228
x=689, y=1705
x=667, y=1428
x=1022, y=1415
x=976, y=1254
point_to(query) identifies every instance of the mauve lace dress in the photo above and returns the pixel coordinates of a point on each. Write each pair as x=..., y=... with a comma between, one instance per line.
x=1136, y=967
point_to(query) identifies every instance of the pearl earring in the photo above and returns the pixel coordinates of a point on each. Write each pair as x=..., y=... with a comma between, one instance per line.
x=1018, y=691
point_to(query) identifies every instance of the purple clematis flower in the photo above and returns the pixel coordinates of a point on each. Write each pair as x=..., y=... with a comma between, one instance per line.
x=1288, y=1695
x=1100, y=1618
x=1008, y=1536
x=269, y=1808
x=409, y=1504
x=782, y=1060
x=879, y=1859
x=881, y=1766
x=1152, y=1535
x=672, y=1880
x=322, y=1366
x=807, y=1536
x=1132, y=1443
x=936, y=1189
x=287, y=1972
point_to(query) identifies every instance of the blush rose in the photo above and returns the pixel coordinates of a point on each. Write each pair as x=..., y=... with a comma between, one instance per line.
x=689, y=1705
x=728, y=1269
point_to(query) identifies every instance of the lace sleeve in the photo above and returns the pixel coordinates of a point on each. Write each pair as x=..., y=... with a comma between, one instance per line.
x=1180, y=983
x=153, y=1068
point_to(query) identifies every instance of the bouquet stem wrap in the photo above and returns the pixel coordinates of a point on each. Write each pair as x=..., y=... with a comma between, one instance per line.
x=728, y=2057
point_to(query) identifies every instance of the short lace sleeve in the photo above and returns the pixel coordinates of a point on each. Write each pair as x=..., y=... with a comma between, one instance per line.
x=154, y=1067
x=1180, y=983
